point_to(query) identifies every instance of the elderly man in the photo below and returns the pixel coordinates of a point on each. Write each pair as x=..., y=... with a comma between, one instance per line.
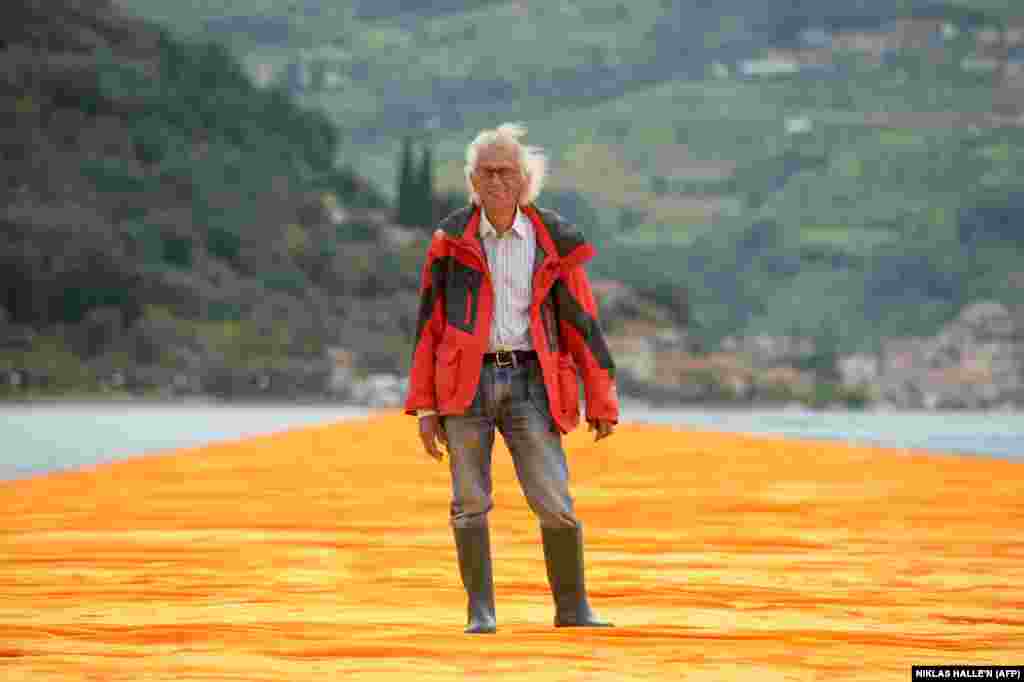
x=507, y=319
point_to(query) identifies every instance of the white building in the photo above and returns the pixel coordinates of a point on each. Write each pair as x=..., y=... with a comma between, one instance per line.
x=753, y=68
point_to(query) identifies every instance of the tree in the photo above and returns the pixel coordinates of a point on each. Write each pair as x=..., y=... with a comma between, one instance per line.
x=425, y=188
x=406, y=186
x=824, y=361
x=674, y=296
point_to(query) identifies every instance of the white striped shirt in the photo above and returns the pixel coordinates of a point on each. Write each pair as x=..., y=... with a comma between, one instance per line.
x=510, y=259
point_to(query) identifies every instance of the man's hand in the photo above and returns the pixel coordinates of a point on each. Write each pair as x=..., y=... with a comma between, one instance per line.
x=430, y=432
x=602, y=428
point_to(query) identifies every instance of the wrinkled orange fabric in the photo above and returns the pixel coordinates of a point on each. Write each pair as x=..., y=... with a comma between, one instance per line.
x=324, y=553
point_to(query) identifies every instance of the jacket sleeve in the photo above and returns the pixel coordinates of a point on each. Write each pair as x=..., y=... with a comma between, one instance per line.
x=577, y=313
x=429, y=327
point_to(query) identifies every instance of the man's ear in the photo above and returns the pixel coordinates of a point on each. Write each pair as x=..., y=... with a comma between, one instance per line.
x=526, y=188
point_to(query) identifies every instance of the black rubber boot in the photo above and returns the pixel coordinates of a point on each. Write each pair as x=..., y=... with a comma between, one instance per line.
x=563, y=553
x=474, y=550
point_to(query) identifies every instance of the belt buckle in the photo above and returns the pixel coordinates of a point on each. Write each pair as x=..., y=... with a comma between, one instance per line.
x=511, y=362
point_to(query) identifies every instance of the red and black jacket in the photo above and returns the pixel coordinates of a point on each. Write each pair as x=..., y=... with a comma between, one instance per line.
x=456, y=308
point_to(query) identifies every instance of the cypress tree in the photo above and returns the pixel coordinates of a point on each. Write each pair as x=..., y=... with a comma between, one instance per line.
x=425, y=189
x=407, y=203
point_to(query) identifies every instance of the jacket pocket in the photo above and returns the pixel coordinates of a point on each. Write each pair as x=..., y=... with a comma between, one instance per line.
x=462, y=296
x=568, y=386
x=446, y=373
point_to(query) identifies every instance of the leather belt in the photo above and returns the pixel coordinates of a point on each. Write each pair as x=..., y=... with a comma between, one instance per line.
x=510, y=358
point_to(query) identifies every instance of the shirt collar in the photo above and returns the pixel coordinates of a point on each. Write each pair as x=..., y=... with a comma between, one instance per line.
x=488, y=230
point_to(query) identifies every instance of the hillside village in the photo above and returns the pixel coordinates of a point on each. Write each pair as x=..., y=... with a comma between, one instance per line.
x=814, y=54
x=991, y=50
x=974, y=362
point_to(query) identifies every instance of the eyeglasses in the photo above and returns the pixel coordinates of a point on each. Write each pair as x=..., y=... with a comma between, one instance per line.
x=505, y=174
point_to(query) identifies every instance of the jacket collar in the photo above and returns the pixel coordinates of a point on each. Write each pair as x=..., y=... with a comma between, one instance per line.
x=575, y=251
x=463, y=227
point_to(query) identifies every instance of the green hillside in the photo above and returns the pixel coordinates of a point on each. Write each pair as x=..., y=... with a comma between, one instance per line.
x=167, y=226
x=869, y=191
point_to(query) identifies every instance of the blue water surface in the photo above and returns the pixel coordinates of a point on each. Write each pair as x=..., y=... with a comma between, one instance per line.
x=995, y=434
x=46, y=437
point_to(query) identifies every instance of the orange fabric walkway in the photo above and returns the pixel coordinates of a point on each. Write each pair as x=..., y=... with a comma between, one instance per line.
x=325, y=554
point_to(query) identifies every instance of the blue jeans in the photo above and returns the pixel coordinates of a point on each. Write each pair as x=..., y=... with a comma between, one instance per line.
x=513, y=400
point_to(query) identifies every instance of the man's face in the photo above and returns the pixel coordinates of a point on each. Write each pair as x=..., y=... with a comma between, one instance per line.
x=498, y=179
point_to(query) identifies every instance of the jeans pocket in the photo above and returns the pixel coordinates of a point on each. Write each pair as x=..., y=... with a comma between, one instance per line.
x=537, y=393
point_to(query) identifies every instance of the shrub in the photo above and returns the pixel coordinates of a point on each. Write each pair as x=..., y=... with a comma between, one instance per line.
x=224, y=244
x=289, y=281
x=357, y=231
x=178, y=252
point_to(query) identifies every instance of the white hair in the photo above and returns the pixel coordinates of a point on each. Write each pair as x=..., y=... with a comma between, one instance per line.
x=532, y=160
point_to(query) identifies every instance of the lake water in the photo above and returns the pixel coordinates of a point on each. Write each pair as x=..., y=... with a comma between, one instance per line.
x=995, y=434
x=40, y=438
